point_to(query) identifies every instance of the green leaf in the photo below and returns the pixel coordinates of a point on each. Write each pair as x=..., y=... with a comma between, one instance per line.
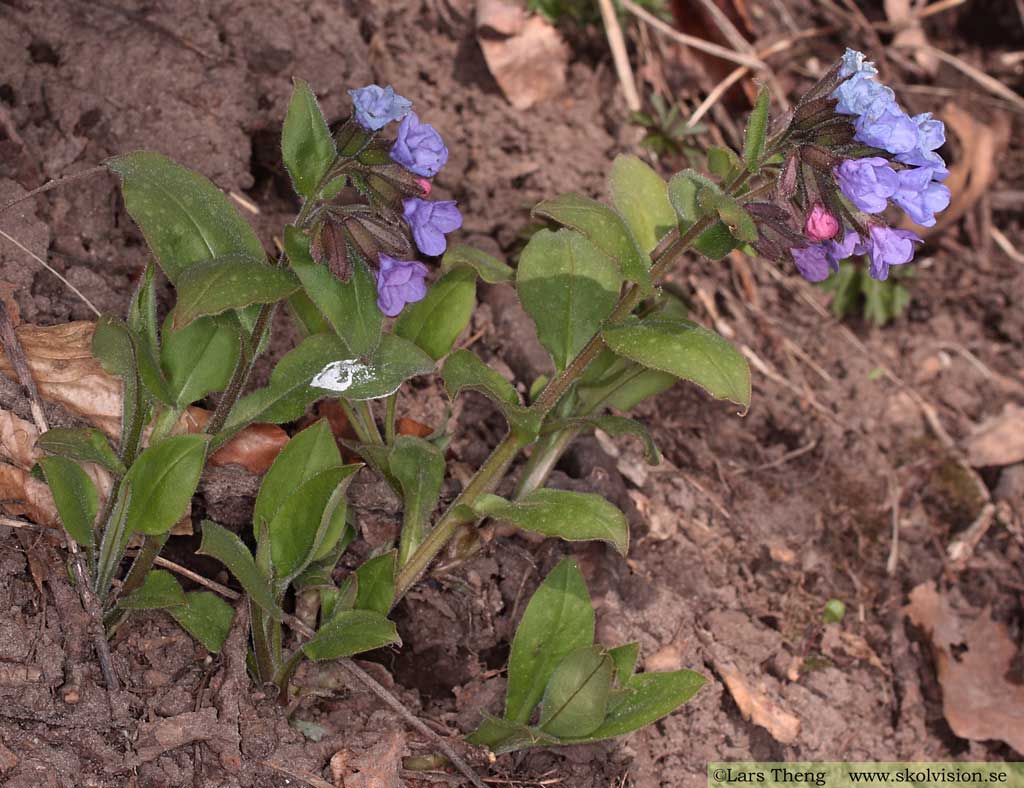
x=604, y=228
x=350, y=307
x=200, y=358
x=573, y=516
x=142, y=311
x=682, y=191
x=625, y=657
x=84, y=444
x=183, y=216
x=640, y=196
x=686, y=350
x=735, y=216
x=162, y=481
x=723, y=162
x=715, y=242
x=464, y=370
x=303, y=516
x=121, y=353
x=576, y=698
x=226, y=547
x=306, y=144
x=308, y=453
x=159, y=590
x=558, y=619
x=375, y=583
x=351, y=632
x=652, y=696
x=568, y=286
x=757, y=131
x=616, y=426
x=75, y=496
x=846, y=289
x=231, y=282
x=206, y=617
x=393, y=362
x=501, y=736
x=418, y=465
x=435, y=322
x=488, y=268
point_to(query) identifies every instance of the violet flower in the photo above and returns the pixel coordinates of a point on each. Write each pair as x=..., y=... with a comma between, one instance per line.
x=375, y=107
x=419, y=148
x=430, y=221
x=888, y=246
x=867, y=183
x=920, y=196
x=399, y=282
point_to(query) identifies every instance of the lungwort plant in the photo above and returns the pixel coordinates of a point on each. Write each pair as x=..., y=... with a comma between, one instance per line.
x=807, y=189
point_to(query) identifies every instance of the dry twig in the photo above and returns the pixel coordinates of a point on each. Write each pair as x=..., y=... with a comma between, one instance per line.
x=617, y=44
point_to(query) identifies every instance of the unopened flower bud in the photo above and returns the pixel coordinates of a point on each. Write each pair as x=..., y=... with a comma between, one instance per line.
x=821, y=225
x=426, y=185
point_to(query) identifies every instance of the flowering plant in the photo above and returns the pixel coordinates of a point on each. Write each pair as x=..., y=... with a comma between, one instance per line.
x=810, y=189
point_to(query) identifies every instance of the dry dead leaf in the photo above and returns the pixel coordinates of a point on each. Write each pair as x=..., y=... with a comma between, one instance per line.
x=838, y=643
x=756, y=706
x=973, y=657
x=910, y=33
x=65, y=372
x=406, y=426
x=998, y=441
x=377, y=766
x=254, y=448
x=526, y=55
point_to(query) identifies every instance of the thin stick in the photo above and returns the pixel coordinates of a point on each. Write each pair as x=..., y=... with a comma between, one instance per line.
x=16, y=355
x=51, y=269
x=617, y=44
x=348, y=666
x=691, y=41
x=991, y=84
x=54, y=184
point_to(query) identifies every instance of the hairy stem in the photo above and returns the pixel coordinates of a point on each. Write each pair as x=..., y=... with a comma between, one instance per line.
x=494, y=467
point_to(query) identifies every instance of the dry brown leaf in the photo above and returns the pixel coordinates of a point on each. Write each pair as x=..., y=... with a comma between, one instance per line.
x=7, y=291
x=972, y=657
x=527, y=58
x=407, y=426
x=376, y=766
x=999, y=441
x=61, y=362
x=910, y=33
x=838, y=643
x=254, y=448
x=757, y=707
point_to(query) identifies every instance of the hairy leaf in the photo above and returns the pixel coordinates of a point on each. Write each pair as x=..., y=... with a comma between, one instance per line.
x=162, y=481
x=306, y=144
x=641, y=198
x=230, y=282
x=74, y=495
x=351, y=632
x=435, y=322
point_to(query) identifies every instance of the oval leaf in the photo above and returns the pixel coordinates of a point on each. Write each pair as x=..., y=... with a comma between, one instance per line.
x=306, y=145
x=418, y=465
x=573, y=516
x=201, y=357
x=604, y=228
x=206, y=617
x=393, y=362
x=558, y=619
x=75, y=496
x=568, y=286
x=183, y=216
x=487, y=267
x=350, y=307
x=464, y=370
x=576, y=698
x=640, y=196
x=686, y=350
x=375, y=583
x=226, y=547
x=435, y=322
x=84, y=444
x=162, y=481
x=231, y=282
x=158, y=591
x=351, y=632
x=757, y=131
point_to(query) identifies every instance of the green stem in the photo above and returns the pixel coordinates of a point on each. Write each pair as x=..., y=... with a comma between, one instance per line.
x=505, y=452
x=389, y=418
x=363, y=406
x=545, y=456
x=112, y=544
x=358, y=422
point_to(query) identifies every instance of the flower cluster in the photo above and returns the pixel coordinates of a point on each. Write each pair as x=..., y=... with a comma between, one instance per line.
x=420, y=153
x=904, y=169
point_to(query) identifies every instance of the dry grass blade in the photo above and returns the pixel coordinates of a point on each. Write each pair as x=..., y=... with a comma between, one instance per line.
x=51, y=269
x=617, y=44
x=991, y=84
x=692, y=41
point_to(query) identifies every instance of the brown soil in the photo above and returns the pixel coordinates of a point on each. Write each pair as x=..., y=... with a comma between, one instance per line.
x=740, y=537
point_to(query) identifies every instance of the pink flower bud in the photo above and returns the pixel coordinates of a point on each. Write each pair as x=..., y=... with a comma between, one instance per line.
x=426, y=185
x=821, y=225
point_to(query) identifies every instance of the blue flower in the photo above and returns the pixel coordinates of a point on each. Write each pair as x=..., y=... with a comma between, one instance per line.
x=920, y=196
x=400, y=282
x=814, y=262
x=419, y=148
x=867, y=182
x=888, y=246
x=430, y=221
x=375, y=107
x=892, y=130
x=931, y=134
